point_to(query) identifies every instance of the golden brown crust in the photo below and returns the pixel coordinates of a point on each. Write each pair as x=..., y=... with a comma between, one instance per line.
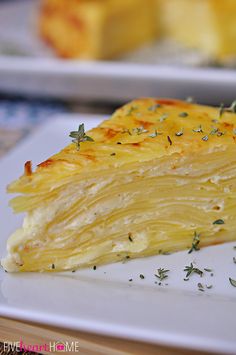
x=28, y=168
x=142, y=130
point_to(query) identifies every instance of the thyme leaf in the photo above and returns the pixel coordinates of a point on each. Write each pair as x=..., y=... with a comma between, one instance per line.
x=233, y=282
x=195, y=243
x=183, y=114
x=231, y=108
x=155, y=134
x=163, y=117
x=219, y=221
x=207, y=270
x=205, y=138
x=153, y=107
x=180, y=133
x=131, y=110
x=80, y=136
x=221, y=109
x=198, y=130
x=214, y=131
x=139, y=130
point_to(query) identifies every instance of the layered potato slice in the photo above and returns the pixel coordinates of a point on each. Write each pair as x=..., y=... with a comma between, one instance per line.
x=159, y=177
x=96, y=29
x=208, y=25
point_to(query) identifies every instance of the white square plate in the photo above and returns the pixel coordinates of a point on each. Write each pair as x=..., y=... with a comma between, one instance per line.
x=104, y=301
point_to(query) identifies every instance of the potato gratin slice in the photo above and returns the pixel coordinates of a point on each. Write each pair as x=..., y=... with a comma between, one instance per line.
x=160, y=176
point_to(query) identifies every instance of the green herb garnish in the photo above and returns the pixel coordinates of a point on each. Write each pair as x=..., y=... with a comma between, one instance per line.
x=125, y=130
x=231, y=108
x=198, y=130
x=219, y=221
x=139, y=130
x=162, y=274
x=183, y=114
x=180, y=133
x=205, y=138
x=131, y=110
x=163, y=117
x=195, y=243
x=233, y=282
x=214, y=131
x=207, y=270
x=154, y=107
x=191, y=270
x=221, y=109
x=80, y=136
x=155, y=134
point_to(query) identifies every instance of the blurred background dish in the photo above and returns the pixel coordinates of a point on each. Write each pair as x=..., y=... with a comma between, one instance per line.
x=95, y=29
x=118, y=50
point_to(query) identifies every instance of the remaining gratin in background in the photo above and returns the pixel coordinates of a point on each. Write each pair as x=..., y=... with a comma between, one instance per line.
x=104, y=29
x=159, y=176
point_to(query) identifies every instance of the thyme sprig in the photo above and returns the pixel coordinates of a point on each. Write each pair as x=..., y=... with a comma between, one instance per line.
x=136, y=130
x=139, y=130
x=80, y=136
x=162, y=274
x=191, y=270
x=231, y=108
